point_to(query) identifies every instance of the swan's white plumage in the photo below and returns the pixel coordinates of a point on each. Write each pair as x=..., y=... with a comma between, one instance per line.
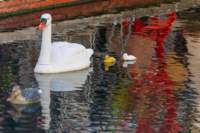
x=59, y=57
x=66, y=57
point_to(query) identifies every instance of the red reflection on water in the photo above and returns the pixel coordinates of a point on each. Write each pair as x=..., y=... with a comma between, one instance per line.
x=152, y=89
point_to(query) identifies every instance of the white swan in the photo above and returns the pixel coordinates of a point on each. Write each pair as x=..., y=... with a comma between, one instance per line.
x=59, y=56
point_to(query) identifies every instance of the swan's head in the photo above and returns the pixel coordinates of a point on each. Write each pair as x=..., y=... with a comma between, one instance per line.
x=45, y=20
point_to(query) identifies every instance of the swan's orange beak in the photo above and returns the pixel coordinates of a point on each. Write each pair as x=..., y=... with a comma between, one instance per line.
x=41, y=25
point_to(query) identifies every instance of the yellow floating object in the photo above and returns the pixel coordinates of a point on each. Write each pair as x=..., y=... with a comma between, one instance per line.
x=109, y=59
x=108, y=62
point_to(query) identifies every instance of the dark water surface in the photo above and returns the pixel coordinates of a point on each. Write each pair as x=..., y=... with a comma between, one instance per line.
x=157, y=94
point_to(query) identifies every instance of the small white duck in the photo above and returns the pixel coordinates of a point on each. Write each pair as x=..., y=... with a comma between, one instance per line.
x=127, y=57
x=59, y=56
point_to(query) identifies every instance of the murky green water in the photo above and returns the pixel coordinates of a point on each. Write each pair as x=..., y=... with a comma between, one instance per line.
x=157, y=94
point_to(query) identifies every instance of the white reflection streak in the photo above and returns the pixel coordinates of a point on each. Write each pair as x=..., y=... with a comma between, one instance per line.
x=59, y=83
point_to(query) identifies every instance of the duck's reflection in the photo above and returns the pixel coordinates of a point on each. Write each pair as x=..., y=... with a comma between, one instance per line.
x=16, y=118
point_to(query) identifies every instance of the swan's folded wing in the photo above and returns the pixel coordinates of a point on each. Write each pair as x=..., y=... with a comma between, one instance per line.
x=63, y=53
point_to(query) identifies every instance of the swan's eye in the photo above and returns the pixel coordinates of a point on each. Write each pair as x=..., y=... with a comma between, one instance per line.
x=43, y=20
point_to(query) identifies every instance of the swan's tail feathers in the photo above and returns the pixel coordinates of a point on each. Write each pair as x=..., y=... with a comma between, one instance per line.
x=90, y=52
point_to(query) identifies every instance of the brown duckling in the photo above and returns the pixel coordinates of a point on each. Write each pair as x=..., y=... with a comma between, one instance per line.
x=25, y=96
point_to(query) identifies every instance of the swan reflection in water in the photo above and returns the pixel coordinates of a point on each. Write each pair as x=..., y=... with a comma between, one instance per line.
x=59, y=84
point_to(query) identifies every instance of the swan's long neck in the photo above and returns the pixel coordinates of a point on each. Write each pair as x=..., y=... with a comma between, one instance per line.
x=45, y=53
